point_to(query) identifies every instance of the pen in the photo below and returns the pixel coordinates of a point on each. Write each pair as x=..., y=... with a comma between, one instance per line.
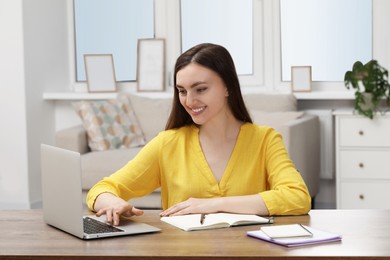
x=310, y=234
x=202, y=217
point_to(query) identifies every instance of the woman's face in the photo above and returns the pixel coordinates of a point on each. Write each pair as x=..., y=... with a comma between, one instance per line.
x=202, y=93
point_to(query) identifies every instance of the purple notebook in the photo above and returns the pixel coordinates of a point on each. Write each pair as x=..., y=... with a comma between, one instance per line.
x=319, y=236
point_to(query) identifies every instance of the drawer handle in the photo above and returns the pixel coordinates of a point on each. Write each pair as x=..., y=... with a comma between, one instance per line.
x=361, y=165
x=361, y=196
x=361, y=132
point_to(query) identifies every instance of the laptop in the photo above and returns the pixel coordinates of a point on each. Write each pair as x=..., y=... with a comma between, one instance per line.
x=62, y=199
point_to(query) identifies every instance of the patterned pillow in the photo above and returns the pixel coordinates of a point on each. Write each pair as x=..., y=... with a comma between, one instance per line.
x=110, y=124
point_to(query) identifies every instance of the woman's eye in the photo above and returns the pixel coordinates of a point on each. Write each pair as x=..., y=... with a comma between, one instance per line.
x=202, y=89
x=181, y=91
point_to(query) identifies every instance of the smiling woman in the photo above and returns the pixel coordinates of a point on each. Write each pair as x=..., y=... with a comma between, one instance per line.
x=222, y=161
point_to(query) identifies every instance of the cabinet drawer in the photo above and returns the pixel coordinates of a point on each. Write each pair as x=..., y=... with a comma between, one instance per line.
x=364, y=164
x=360, y=131
x=364, y=195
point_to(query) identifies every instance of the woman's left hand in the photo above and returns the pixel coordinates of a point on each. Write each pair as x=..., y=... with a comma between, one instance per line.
x=192, y=206
x=247, y=204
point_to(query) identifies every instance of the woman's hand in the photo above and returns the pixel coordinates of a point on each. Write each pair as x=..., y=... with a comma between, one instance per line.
x=247, y=204
x=114, y=207
x=191, y=206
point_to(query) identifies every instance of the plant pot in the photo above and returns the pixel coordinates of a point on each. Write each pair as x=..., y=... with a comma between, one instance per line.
x=367, y=102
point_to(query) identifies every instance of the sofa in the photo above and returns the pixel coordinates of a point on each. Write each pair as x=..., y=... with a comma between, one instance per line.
x=300, y=132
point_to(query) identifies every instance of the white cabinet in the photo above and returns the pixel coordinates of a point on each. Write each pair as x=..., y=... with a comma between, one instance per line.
x=362, y=161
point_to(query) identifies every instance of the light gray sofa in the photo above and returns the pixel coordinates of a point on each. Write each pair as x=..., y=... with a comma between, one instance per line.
x=300, y=132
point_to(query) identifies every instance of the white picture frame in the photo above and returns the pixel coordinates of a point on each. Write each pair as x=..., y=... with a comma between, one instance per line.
x=100, y=73
x=301, y=78
x=150, y=65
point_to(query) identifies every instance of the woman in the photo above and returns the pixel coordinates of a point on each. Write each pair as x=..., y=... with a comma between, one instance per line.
x=211, y=158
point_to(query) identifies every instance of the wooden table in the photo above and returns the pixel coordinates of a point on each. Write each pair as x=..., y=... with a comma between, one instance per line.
x=366, y=235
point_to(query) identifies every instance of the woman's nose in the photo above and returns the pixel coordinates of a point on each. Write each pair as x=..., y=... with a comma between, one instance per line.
x=190, y=99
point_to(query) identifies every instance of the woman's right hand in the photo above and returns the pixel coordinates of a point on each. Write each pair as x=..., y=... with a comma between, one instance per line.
x=114, y=207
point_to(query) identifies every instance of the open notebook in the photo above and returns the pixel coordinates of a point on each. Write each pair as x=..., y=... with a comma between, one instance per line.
x=211, y=221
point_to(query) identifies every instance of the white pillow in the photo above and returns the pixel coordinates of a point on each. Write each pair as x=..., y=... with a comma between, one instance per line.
x=152, y=113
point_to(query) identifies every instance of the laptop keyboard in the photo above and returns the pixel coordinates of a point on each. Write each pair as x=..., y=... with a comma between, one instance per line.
x=93, y=226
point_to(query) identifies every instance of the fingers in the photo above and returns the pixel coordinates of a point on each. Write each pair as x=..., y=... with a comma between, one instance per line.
x=168, y=212
x=109, y=214
x=191, y=206
x=176, y=210
x=137, y=212
x=113, y=214
x=130, y=211
x=173, y=212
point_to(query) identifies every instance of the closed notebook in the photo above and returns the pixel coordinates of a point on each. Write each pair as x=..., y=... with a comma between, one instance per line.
x=211, y=221
x=318, y=236
x=285, y=231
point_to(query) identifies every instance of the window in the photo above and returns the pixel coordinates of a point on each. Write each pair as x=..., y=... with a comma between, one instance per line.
x=329, y=35
x=112, y=27
x=225, y=22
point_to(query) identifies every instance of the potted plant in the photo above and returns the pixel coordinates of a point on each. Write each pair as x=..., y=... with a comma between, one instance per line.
x=371, y=85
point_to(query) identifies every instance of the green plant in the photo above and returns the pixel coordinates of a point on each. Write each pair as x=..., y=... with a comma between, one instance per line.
x=368, y=78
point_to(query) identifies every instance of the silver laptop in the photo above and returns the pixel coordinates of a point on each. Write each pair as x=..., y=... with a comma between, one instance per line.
x=62, y=199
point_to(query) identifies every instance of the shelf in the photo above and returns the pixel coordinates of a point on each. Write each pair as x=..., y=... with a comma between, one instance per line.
x=348, y=112
x=319, y=95
x=78, y=96
x=325, y=95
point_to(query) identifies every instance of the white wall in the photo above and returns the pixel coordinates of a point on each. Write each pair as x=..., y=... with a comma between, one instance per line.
x=13, y=137
x=46, y=63
x=34, y=58
x=381, y=42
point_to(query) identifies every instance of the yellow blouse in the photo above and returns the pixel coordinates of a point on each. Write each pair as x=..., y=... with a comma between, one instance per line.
x=175, y=162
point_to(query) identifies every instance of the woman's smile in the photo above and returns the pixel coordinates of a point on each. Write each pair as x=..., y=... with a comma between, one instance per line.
x=198, y=110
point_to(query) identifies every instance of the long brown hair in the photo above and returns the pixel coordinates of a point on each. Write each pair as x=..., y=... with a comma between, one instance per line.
x=218, y=59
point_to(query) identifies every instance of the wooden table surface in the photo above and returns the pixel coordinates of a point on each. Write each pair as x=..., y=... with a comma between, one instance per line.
x=366, y=235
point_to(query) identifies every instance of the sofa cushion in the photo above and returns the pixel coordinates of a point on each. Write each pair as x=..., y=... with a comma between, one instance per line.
x=278, y=121
x=97, y=165
x=152, y=113
x=110, y=124
x=273, y=119
x=271, y=102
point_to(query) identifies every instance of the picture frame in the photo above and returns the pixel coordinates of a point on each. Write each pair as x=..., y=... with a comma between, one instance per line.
x=301, y=78
x=100, y=72
x=151, y=65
